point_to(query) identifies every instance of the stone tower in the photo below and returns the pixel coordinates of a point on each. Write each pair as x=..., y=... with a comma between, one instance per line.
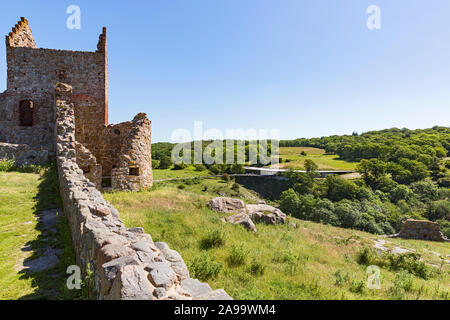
x=119, y=155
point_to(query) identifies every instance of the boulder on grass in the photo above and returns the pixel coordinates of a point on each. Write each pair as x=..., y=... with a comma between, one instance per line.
x=266, y=214
x=243, y=219
x=227, y=205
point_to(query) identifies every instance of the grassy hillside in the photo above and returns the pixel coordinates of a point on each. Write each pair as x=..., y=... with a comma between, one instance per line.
x=324, y=161
x=314, y=261
x=161, y=174
x=23, y=238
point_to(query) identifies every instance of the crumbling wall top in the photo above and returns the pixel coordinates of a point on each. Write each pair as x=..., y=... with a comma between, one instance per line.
x=21, y=35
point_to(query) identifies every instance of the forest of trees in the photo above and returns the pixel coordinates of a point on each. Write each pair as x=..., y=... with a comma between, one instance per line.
x=404, y=175
x=162, y=155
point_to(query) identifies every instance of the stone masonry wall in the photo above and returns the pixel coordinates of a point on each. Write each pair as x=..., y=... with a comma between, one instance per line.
x=31, y=75
x=125, y=262
x=421, y=230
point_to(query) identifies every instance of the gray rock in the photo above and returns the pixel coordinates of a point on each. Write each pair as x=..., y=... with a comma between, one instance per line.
x=159, y=293
x=219, y=294
x=48, y=260
x=161, y=274
x=146, y=257
x=131, y=283
x=136, y=230
x=195, y=288
x=49, y=218
x=226, y=205
x=111, y=269
x=266, y=214
x=175, y=260
x=142, y=246
x=242, y=219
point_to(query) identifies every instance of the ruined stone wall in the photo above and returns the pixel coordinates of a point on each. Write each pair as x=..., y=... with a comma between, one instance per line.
x=88, y=163
x=126, y=154
x=31, y=75
x=126, y=263
x=421, y=230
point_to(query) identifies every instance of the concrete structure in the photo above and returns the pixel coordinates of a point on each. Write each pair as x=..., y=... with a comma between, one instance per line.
x=112, y=156
x=277, y=172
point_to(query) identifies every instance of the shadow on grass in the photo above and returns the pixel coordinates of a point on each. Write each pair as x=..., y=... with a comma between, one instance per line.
x=267, y=187
x=52, y=251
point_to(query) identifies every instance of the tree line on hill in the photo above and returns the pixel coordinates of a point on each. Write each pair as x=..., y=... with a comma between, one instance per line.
x=162, y=155
x=404, y=175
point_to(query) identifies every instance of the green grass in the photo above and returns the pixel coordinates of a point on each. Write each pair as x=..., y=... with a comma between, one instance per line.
x=313, y=261
x=161, y=174
x=22, y=195
x=324, y=161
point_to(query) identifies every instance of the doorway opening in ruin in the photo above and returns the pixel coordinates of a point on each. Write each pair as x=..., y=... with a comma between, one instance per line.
x=26, y=113
x=106, y=182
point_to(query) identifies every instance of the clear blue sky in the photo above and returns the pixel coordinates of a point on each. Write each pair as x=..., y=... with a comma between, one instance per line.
x=308, y=68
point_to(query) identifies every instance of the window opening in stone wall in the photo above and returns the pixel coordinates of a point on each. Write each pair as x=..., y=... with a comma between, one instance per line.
x=86, y=169
x=134, y=171
x=26, y=113
x=61, y=75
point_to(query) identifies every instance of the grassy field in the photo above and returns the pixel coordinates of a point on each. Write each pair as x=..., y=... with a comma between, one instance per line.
x=161, y=174
x=324, y=161
x=22, y=196
x=313, y=261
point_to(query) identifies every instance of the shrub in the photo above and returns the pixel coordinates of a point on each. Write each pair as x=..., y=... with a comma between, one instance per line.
x=238, y=255
x=155, y=164
x=200, y=167
x=403, y=282
x=257, y=267
x=205, y=267
x=341, y=277
x=289, y=202
x=407, y=261
x=235, y=187
x=226, y=177
x=181, y=186
x=165, y=162
x=214, y=239
x=29, y=168
x=6, y=165
x=180, y=166
x=439, y=210
x=445, y=227
x=237, y=169
x=357, y=286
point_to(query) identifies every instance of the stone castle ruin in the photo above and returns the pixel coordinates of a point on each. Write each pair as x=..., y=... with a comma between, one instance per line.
x=56, y=106
x=116, y=156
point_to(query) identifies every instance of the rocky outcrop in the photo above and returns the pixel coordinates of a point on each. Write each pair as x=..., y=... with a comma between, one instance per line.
x=227, y=205
x=242, y=219
x=263, y=213
x=246, y=214
x=124, y=262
